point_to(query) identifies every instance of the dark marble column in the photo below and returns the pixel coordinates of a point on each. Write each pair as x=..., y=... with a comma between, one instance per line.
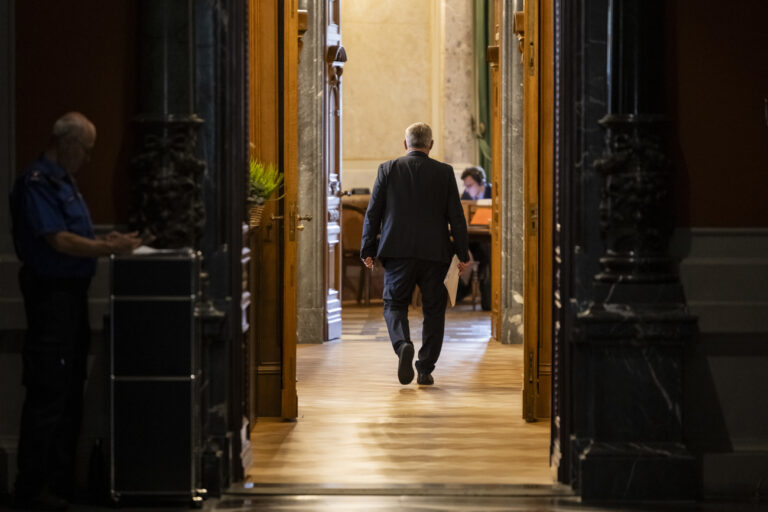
x=221, y=91
x=628, y=341
x=168, y=200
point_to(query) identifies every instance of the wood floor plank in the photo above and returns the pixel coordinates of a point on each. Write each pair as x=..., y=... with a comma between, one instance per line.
x=358, y=425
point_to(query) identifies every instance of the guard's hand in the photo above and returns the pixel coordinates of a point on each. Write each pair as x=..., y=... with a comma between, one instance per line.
x=114, y=235
x=368, y=262
x=123, y=244
x=462, y=265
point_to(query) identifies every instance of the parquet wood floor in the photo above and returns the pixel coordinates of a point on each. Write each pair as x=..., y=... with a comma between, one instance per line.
x=358, y=425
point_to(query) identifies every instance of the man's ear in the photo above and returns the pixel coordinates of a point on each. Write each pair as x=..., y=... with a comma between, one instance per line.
x=405, y=144
x=431, y=143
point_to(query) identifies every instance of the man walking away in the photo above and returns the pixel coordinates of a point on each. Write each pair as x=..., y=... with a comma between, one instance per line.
x=414, y=202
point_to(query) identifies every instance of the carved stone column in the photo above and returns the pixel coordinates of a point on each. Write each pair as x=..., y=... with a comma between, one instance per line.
x=512, y=212
x=168, y=201
x=628, y=342
x=635, y=211
x=312, y=190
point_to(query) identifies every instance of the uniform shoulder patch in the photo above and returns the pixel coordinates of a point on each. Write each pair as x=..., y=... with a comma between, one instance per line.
x=36, y=177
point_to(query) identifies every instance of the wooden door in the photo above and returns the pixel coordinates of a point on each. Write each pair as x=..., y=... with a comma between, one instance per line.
x=538, y=123
x=494, y=61
x=293, y=219
x=265, y=361
x=335, y=56
x=273, y=94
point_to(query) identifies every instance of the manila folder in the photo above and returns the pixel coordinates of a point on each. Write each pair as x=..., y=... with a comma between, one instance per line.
x=451, y=280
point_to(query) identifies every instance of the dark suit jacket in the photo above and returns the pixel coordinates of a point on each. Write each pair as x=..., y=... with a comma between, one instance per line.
x=414, y=200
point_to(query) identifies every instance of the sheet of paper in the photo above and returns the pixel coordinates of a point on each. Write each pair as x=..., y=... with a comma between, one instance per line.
x=451, y=280
x=144, y=250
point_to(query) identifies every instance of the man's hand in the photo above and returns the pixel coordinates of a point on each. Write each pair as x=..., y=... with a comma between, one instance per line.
x=114, y=235
x=462, y=265
x=368, y=262
x=123, y=243
x=80, y=246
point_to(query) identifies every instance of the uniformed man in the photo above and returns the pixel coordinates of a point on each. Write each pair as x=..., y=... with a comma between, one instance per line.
x=56, y=245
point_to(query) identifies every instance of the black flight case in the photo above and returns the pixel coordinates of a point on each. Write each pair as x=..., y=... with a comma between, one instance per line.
x=155, y=445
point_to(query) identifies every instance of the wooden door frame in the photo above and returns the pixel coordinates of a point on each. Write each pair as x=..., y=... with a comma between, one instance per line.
x=538, y=182
x=531, y=194
x=546, y=207
x=495, y=62
x=290, y=159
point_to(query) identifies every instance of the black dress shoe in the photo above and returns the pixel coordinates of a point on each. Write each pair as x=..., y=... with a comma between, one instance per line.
x=405, y=364
x=425, y=379
x=44, y=501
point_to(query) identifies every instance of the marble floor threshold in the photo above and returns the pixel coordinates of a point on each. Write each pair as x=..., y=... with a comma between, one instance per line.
x=423, y=489
x=403, y=503
x=324, y=498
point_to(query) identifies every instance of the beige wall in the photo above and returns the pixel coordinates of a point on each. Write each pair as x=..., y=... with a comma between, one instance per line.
x=409, y=60
x=459, y=79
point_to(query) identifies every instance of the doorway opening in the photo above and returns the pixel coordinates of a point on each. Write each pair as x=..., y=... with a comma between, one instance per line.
x=349, y=398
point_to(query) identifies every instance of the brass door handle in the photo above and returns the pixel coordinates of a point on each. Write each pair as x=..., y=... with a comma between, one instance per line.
x=299, y=218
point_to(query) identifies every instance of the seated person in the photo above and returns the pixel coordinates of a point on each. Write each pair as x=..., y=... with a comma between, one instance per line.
x=475, y=186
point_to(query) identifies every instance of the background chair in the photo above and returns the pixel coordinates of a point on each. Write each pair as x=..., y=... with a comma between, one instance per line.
x=352, y=217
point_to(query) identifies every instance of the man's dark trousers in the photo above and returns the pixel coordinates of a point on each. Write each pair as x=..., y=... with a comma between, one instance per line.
x=402, y=275
x=54, y=365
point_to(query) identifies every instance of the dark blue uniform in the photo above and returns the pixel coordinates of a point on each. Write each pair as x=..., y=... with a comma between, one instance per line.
x=45, y=201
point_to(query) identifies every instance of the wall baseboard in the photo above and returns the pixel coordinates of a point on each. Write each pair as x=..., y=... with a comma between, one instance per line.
x=724, y=271
x=12, y=315
x=737, y=475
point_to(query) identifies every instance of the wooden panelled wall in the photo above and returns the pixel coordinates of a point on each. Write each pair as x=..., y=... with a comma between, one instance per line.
x=96, y=77
x=717, y=109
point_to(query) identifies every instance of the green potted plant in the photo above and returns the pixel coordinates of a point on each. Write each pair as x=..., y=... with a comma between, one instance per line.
x=263, y=180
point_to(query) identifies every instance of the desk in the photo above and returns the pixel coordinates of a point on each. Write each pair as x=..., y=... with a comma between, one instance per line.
x=479, y=233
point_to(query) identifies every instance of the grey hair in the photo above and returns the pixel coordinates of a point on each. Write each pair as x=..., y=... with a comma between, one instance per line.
x=418, y=135
x=70, y=126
